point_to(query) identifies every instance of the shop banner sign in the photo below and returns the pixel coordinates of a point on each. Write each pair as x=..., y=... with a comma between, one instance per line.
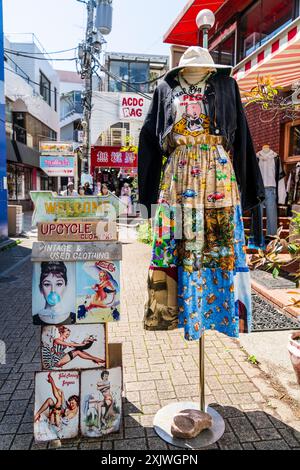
x=78, y=231
x=132, y=107
x=58, y=165
x=56, y=148
x=113, y=157
x=70, y=252
x=48, y=207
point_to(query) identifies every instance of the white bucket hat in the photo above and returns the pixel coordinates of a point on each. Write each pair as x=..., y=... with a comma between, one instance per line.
x=196, y=56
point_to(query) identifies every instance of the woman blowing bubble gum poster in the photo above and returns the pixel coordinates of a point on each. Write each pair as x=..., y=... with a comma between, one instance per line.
x=53, y=293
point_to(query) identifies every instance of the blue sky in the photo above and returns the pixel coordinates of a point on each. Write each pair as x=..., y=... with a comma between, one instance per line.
x=138, y=25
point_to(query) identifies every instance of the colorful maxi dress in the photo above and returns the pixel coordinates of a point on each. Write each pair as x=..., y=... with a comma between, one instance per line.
x=198, y=277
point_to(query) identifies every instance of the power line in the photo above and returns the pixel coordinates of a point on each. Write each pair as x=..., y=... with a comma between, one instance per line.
x=131, y=87
x=29, y=80
x=40, y=53
x=39, y=58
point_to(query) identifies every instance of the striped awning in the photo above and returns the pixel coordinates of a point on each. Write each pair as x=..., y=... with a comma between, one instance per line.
x=278, y=59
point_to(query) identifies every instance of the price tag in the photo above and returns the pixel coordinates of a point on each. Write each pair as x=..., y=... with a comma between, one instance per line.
x=222, y=152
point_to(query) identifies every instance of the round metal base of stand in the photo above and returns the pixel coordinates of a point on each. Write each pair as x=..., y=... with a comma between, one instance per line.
x=163, y=421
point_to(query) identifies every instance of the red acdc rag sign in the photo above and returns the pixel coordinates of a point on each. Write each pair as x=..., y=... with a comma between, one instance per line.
x=132, y=107
x=113, y=157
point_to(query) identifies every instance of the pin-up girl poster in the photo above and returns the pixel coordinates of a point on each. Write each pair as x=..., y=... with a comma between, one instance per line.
x=73, y=347
x=56, y=412
x=101, y=402
x=53, y=293
x=98, y=291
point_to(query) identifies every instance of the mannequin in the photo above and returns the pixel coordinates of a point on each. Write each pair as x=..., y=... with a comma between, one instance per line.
x=198, y=277
x=275, y=190
x=199, y=180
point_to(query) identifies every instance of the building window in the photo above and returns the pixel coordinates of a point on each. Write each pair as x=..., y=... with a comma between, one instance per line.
x=19, y=182
x=295, y=141
x=131, y=72
x=224, y=52
x=292, y=142
x=45, y=88
x=55, y=99
x=139, y=72
x=261, y=21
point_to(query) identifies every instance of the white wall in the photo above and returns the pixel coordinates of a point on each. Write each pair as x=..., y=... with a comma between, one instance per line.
x=67, y=87
x=32, y=67
x=67, y=132
x=105, y=113
x=16, y=88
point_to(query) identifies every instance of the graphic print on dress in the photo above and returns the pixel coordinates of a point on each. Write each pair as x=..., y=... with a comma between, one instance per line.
x=193, y=122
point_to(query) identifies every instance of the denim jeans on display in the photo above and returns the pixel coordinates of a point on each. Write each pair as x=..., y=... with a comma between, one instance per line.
x=270, y=203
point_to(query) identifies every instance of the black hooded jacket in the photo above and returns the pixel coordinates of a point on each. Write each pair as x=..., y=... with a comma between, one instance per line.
x=227, y=118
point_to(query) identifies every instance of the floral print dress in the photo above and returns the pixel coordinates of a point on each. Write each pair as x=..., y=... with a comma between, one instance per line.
x=198, y=277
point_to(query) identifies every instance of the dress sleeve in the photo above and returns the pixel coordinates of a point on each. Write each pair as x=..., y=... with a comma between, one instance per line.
x=150, y=155
x=245, y=161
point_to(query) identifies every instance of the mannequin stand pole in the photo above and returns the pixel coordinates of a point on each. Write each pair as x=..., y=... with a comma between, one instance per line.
x=164, y=417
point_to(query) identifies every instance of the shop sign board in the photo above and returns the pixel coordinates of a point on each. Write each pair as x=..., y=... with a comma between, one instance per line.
x=48, y=207
x=57, y=148
x=113, y=157
x=76, y=231
x=75, y=283
x=70, y=252
x=58, y=165
x=132, y=107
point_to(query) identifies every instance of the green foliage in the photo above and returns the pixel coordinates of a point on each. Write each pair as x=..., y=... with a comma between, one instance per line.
x=144, y=233
x=253, y=360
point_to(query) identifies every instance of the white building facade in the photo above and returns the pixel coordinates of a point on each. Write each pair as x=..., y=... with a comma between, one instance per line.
x=32, y=115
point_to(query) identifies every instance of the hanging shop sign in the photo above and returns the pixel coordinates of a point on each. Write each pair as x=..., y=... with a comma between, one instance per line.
x=49, y=207
x=58, y=165
x=78, y=231
x=113, y=157
x=56, y=148
x=132, y=107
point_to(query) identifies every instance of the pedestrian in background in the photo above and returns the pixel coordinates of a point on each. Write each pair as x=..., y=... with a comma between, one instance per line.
x=87, y=190
x=70, y=191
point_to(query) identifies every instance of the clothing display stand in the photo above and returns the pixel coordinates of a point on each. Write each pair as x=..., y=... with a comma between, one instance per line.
x=164, y=417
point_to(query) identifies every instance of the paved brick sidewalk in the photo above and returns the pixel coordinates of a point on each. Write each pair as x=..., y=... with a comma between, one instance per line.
x=159, y=368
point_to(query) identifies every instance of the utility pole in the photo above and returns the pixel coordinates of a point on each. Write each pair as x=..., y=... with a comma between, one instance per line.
x=88, y=86
x=88, y=55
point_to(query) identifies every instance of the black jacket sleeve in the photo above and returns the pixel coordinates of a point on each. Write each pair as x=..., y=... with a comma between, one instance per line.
x=245, y=161
x=150, y=154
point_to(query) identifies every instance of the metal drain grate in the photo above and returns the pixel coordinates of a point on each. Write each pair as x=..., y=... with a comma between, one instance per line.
x=268, y=318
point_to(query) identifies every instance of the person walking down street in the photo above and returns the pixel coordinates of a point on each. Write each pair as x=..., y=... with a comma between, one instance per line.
x=70, y=191
x=87, y=190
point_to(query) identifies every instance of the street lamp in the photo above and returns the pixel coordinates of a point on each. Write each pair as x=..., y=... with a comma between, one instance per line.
x=205, y=21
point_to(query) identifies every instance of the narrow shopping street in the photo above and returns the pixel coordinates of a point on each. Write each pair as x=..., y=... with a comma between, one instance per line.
x=159, y=368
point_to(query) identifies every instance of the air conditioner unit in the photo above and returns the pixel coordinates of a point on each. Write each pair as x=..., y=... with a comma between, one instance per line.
x=117, y=136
